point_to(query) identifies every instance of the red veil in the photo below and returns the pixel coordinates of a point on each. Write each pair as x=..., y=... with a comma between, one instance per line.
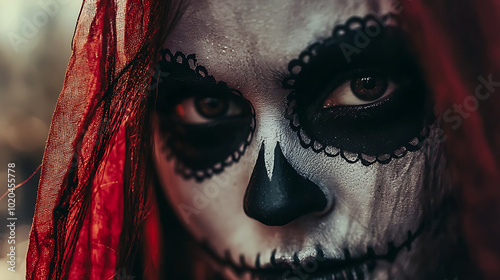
x=95, y=216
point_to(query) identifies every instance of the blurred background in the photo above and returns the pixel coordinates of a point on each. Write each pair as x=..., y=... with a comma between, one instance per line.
x=35, y=46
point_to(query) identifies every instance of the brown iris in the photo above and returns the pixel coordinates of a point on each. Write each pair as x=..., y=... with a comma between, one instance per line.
x=369, y=87
x=211, y=107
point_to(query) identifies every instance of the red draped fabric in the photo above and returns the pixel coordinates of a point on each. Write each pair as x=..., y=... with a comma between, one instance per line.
x=94, y=211
x=460, y=49
x=92, y=159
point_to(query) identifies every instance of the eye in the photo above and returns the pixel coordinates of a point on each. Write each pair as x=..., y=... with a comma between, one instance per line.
x=211, y=107
x=205, y=109
x=374, y=104
x=362, y=88
x=206, y=124
x=206, y=129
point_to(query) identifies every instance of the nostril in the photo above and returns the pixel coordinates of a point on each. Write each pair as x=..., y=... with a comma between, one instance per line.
x=284, y=197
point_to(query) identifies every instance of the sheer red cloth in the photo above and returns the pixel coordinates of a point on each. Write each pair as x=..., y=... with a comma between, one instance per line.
x=78, y=230
x=94, y=212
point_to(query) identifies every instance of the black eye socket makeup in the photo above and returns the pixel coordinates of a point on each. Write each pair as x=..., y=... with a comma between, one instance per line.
x=359, y=94
x=206, y=124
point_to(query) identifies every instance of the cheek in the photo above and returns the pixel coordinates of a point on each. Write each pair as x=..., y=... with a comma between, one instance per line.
x=370, y=204
x=381, y=195
x=209, y=208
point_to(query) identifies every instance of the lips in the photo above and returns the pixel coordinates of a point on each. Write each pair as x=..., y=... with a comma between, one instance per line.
x=313, y=267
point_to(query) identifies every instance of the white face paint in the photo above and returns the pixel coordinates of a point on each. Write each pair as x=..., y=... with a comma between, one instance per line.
x=243, y=44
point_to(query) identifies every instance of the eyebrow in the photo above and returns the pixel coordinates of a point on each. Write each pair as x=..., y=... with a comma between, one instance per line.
x=187, y=75
x=346, y=36
x=341, y=53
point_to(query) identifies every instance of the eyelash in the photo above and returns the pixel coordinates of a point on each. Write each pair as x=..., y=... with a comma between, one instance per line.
x=304, y=85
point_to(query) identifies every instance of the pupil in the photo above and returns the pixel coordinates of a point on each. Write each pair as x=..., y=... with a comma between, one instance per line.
x=369, y=87
x=211, y=107
x=212, y=103
x=369, y=83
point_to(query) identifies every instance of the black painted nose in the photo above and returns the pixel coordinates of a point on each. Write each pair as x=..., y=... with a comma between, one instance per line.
x=284, y=197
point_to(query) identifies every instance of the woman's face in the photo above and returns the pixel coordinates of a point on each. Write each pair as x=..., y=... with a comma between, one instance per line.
x=290, y=150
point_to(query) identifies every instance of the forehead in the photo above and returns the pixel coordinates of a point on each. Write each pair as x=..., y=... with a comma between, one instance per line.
x=235, y=38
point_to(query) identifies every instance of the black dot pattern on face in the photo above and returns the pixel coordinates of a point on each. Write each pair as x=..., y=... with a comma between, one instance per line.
x=200, y=150
x=361, y=145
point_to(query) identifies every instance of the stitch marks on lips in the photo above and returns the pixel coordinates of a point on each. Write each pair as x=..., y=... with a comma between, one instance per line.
x=312, y=267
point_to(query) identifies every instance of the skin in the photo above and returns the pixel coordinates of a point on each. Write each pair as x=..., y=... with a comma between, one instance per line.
x=244, y=43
